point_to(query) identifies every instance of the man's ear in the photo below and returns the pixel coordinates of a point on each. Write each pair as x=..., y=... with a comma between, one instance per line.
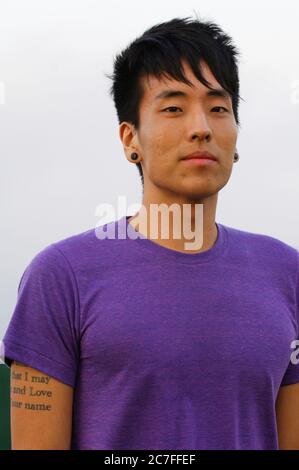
x=127, y=134
x=129, y=138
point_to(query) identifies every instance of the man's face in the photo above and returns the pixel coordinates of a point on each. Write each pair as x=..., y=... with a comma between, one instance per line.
x=173, y=127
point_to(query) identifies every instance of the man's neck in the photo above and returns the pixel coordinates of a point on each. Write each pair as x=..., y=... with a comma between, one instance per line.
x=179, y=228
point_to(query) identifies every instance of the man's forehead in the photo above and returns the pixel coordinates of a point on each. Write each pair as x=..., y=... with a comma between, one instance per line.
x=153, y=85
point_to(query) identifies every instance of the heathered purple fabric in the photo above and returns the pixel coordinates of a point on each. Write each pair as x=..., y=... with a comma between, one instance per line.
x=165, y=350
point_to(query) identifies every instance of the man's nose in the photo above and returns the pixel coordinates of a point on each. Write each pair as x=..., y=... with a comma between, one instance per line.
x=199, y=127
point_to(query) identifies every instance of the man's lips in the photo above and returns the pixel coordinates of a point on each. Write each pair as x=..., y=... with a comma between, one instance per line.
x=200, y=158
x=204, y=154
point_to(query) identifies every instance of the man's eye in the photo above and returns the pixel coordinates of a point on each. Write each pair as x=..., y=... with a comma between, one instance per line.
x=171, y=107
x=216, y=107
x=220, y=107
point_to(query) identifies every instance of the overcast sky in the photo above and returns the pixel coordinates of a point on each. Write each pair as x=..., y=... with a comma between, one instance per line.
x=61, y=155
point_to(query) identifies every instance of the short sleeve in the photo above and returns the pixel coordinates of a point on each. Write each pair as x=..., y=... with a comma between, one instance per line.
x=43, y=332
x=291, y=375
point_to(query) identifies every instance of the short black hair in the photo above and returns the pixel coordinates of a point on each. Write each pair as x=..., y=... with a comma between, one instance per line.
x=160, y=50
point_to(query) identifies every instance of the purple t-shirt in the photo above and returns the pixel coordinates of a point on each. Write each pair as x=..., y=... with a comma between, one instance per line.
x=164, y=349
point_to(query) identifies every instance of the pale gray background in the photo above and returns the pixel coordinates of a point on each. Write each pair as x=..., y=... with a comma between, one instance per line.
x=60, y=151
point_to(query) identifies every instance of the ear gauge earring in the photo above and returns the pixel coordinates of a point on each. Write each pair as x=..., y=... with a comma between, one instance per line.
x=134, y=156
x=236, y=157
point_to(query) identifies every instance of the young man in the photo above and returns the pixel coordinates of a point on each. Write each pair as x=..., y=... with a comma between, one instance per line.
x=140, y=343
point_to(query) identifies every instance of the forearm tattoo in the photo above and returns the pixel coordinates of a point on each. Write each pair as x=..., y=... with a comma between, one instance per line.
x=30, y=389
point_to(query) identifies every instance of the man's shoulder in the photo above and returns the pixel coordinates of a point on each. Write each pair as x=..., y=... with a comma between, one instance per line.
x=262, y=244
x=98, y=241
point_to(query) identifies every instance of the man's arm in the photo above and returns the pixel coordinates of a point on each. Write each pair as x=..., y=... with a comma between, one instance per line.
x=41, y=410
x=287, y=416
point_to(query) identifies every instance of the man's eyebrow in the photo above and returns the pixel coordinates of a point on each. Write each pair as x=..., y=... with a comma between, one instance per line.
x=220, y=92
